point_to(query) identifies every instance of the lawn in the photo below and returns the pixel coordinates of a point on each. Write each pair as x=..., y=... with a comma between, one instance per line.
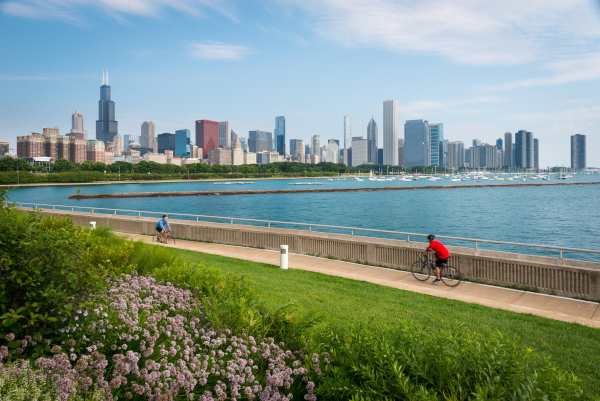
x=348, y=302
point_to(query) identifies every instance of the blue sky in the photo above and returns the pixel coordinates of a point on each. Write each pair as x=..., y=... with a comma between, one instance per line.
x=481, y=69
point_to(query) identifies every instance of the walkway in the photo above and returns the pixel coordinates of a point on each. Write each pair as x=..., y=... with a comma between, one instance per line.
x=552, y=307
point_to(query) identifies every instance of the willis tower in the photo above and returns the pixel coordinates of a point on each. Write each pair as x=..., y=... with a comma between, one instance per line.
x=106, y=126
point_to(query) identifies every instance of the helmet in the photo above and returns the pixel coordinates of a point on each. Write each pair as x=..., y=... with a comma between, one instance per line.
x=431, y=237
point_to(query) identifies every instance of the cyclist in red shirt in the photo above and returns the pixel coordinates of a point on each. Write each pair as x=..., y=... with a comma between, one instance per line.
x=441, y=254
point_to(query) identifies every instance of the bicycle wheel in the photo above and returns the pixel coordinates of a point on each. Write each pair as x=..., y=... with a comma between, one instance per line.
x=171, y=240
x=450, y=276
x=420, y=270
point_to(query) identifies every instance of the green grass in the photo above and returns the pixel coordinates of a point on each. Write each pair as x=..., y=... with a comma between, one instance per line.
x=348, y=302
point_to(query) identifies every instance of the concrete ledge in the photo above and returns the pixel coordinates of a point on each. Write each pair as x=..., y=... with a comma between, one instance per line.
x=564, y=277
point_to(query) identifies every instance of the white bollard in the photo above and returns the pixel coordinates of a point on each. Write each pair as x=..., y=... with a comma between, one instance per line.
x=92, y=225
x=283, y=257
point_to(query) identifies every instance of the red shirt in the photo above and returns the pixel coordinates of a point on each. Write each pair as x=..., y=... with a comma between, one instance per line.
x=439, y=249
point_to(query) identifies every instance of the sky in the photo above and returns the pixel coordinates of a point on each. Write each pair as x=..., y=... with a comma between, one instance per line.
x=480, y=68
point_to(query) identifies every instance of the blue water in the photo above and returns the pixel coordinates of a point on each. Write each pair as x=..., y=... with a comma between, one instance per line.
x=565, y=216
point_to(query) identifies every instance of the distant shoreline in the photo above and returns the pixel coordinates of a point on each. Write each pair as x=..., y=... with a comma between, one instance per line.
x=311, y=190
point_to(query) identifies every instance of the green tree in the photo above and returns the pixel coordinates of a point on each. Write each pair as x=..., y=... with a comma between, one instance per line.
x=87, y=165
x=10, y=164
x=62, y=165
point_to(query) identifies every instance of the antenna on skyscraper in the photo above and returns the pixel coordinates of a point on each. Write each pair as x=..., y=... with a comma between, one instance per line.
x=102, y=77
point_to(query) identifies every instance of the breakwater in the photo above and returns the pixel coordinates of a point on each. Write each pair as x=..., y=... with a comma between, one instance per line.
x=311, y=190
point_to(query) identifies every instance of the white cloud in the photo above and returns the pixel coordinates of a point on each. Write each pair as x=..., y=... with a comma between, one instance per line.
x=472, y=32
x=72, y=10
x=27, y=78
x=579, y=69
x=219, y=51
x=421, y=106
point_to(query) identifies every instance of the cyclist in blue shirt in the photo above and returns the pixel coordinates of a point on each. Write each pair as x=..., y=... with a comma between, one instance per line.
x=160, y=227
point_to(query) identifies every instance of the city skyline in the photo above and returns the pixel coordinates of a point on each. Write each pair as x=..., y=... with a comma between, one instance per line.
x=547, y=84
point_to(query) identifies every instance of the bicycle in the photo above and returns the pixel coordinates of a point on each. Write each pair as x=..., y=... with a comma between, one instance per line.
x=422, y=269
x=168, y=238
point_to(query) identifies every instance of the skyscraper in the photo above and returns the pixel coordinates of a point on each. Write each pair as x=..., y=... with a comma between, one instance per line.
x=225, y=134
x=578, y=152
x=106, y=126
x=316, y=145
x=520, y=154
x=508, y=153
x=294, y=147
x=207, y=135
x=347, y=132
x=182, y=143
x=280, y=135
x=436, y=145
x=166, y=141
x=390, y=132
x=148, y=138
x=536, y=154
x=360, y=154
x=260, y=141
x=77, y=130
x=372, y=138
x=529, y=150
x=416, y=143
x=476, y=142
x=453, y=154
x=333, y=152
x=499, y=143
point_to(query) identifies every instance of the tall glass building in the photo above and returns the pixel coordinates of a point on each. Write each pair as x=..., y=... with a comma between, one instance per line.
x=390, y=132
x=578, y=151
x=280, y=135
x=260, y=141
x=182, y=143
x=436, y=141
x=416, y=143
x=106, y=126
x=372, y=142
x=347, y=132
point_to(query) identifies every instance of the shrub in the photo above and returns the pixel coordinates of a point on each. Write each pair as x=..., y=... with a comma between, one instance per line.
x=20, y=382
x=150, y=340
x=413, y=364
x=47, y=265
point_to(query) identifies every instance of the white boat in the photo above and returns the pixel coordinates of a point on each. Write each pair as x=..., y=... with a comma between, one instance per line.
x=358, y=179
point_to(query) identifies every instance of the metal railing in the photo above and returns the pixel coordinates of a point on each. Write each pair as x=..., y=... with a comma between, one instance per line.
x=310, y=226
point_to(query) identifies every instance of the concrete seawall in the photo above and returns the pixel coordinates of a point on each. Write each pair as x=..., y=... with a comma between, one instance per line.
x=569, y=278
x=311, y=190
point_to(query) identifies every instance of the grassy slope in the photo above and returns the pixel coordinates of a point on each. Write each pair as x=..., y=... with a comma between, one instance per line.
x=342, y=301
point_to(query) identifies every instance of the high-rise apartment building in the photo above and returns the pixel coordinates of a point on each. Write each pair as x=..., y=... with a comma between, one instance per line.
x=416, y=143
x=520, y=153
x=390, y=132
x=578, y=152
x=347, y=132
x=536, y=154
x=483, y=156
x=360, y=151
x=372, y=138
x=499, y=143
x=280, y=135
x=401, y=152
x=31, y=146
x=508, y=149
x=106, y=126
x=436, y=145
x=454, y=149
x=294, y=146
x=207, y=135
x=529, y=150
x=260, y=141
x=182, y=143
x=300, y=154
x=316, y=145
x=476, y=142
x=225, y=134
x=77, y=130
x=148, y=137
x=166, y=141
x=4, y=148
x=95, y=151
x=333, y=151
x=118, y=146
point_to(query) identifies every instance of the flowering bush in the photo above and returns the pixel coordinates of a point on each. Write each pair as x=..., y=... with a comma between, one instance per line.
x=19, y=382
x=150, y=340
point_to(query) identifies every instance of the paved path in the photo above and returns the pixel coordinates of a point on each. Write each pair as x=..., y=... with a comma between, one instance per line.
x=552, y=307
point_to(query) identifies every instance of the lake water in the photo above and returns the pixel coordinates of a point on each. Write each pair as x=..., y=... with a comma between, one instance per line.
x=566, y=216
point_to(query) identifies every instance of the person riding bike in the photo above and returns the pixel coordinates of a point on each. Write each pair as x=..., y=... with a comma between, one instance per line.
x=441, y=254
x=160, y=227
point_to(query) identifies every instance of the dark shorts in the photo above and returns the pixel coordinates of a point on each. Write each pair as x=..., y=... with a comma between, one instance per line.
x=159, y=229
x=440, y=262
